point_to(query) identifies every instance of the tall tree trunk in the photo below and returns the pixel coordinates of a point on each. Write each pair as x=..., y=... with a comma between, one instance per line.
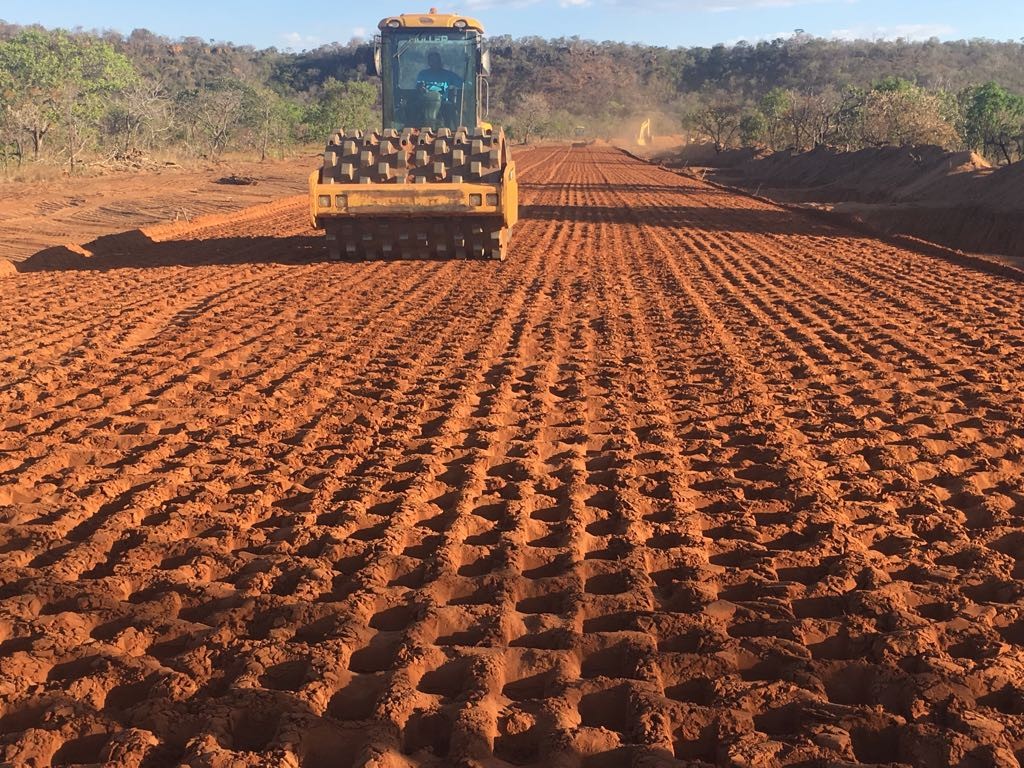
x=127, y=133
x=72, y=138
x=265, y=138
x=1006, y=152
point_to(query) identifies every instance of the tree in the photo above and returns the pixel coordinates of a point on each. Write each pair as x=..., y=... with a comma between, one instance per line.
x=273, y=120
x=994, y=120
x=846, y=134
x=814, y=118
x=340, y=104
x=50, y=79
x=140, y=116
x=94, y=74
x=215, y=114
x=531, y=116
x=719, y=119
x=774, y=107
x=10, y=144
x=898, y=112
x=29, y=81
x=753, y=129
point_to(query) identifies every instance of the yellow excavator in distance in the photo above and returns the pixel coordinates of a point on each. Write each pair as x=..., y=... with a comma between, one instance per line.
x=436, y=181
x=644, y=137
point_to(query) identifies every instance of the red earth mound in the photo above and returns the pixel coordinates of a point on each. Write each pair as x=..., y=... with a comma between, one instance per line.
x=953, y=198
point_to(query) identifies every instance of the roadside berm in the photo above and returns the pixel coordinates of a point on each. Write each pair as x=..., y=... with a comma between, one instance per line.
x=956, y=199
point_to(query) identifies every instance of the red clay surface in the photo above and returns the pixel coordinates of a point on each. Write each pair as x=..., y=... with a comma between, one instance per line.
x=689, y=480
x=34, y=215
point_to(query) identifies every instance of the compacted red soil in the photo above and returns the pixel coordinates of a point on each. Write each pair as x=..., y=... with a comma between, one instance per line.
x=688, y=480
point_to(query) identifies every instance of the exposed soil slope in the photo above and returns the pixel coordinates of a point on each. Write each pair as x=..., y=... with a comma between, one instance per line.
x=689, y=480
x=886, y=174
x=36, y=215
x=952, y=198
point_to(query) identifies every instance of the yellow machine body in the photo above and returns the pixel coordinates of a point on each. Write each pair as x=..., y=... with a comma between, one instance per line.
x=431, y=20
x=411, y=200
x=426, y=185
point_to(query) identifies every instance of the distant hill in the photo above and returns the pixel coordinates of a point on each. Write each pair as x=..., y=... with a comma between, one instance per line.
x=584, y=83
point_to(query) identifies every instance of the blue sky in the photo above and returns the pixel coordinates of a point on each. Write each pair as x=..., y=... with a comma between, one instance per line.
x=299, y=25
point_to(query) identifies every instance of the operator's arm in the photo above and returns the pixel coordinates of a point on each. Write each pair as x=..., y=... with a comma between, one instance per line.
x=452, y=86
x=444, y=82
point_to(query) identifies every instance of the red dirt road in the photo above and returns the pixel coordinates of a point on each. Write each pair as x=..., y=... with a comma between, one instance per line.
x=689, y=480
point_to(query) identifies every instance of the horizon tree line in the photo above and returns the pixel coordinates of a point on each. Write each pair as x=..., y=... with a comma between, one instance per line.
x=73, y=97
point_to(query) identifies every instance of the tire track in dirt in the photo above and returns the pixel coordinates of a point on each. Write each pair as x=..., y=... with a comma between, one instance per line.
x=757, y=461
x=771, y=323
x=279, y=382
x=689, y=480
x=926, y=387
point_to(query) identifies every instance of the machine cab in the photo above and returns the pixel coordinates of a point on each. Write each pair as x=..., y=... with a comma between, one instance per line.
x=432, y=68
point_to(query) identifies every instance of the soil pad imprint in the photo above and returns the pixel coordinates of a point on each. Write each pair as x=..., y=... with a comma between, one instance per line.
x=688, y=480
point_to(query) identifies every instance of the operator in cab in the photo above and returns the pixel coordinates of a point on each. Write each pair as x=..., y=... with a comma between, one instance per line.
x=435, y=78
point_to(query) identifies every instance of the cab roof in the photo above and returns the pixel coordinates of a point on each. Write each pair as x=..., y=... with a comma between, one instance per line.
x=431, y=20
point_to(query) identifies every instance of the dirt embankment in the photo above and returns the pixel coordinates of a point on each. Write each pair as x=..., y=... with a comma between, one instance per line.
x=41, y=214
x=690, y=480
x=657, y=146
x=953, y=198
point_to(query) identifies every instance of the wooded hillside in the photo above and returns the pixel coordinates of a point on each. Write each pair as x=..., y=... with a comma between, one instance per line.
x=68, y=97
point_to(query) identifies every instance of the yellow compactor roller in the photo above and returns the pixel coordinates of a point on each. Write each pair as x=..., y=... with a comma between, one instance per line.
x=437, y=181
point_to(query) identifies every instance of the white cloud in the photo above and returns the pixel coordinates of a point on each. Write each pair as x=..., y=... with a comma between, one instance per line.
x=780, y=35
x=906, y=31
x=300, y=41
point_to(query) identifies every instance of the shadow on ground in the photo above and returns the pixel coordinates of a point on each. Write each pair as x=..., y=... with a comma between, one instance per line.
x=136, y=250
x=683, y=217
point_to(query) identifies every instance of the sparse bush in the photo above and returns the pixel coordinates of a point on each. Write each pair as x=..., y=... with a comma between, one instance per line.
x=994, y=122
x=338, y=104
x=753, y=129
x=900, y=113
x=719, y=119
x=531, y=117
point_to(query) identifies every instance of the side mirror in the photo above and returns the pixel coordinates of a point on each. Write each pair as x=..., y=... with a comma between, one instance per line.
x=485, y=62
x=377, y=57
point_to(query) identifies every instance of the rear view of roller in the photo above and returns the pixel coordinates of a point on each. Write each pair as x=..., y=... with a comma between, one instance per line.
x=437, y=181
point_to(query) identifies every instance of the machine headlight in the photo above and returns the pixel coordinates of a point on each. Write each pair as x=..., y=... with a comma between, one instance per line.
x=394, y=23
x=324, y=201
x=461, y=24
